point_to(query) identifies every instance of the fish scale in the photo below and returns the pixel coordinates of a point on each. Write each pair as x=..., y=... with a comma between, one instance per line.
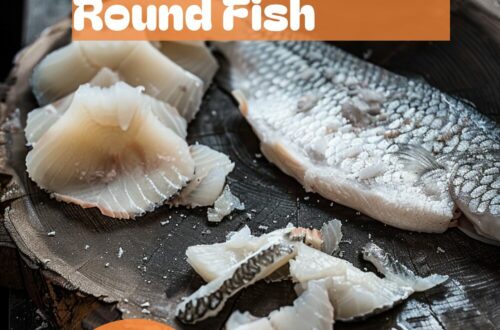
x=338, y=124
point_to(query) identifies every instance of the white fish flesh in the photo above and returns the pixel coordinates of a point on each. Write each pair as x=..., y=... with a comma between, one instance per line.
x=138, y=63
x=396, y=272
x=246, y=321
x=208, y=300
x=211, y=261
x=311, y=310
x=225, y=204
x=211, y=170
x=354, y=294
x=194, y=57
x=41, y=119
x=108, y=150
x=331, y=233
x=395, y=149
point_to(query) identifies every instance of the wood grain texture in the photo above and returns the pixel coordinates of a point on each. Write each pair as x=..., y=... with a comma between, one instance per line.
x=153, y=267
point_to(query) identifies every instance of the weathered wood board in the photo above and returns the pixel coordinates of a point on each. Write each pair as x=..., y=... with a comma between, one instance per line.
x=153, y=267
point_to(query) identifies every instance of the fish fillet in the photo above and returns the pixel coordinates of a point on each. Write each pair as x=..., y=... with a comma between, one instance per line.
x=211, y=170
x=395, y=149
x=138, y=63
x=194, y=57
x=41, y=119
x=108, y=150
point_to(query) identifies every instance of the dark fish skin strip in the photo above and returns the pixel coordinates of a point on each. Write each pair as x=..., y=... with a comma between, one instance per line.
x=200, y=308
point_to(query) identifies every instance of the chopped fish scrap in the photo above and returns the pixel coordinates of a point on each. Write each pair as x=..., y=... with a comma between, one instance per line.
x=396, y=272
x=311, y=310
x=354, y=294
x=211, y=170
x=208, y=300
x=213, y=260
x=138, y=63
x=41, y=119
x=346, y=142
x=332, y=235
x=224, y=205
x=109, y=151
x=246, y=321
x=311, y=237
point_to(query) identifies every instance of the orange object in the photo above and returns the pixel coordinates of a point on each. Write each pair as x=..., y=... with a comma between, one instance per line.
x=135, y=324
x=332, y=20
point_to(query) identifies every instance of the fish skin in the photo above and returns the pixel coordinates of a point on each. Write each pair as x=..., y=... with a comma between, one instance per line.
x=325, y=117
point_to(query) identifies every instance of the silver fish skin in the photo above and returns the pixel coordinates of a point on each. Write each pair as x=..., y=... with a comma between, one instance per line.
x=393, y=148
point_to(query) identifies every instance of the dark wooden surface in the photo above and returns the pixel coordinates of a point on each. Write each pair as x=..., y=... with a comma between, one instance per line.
x=468, y=67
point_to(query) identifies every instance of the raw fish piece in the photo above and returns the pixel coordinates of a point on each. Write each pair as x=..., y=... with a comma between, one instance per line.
x=194, y=57
x=211, y=170
x=213, y=260
x=208, y=300
x=224, y=205
x=41, y=119
x=327, y=239
x=137, y=63
x=311, y=310
x=110, y=151
x=311, y=237
x=340, y=125
x=332, y=235
x=246, y=321
x=354, y=294
x=396, y=272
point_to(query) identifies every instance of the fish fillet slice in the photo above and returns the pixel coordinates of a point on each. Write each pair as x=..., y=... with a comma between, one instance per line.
x=297, y=113
x=211, y=170
x=194, y=57
x=41, y=119
x=109, y=151
x=138, y=63
x=311, y=310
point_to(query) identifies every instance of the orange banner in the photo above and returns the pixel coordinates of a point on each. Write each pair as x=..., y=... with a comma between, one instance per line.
x=261, y=19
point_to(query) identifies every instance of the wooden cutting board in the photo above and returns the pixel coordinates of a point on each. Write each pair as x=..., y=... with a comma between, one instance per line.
x=67, y=276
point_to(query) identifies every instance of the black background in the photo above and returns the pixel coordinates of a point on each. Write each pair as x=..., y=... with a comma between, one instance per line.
x=10, y=33
x=11, y=37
